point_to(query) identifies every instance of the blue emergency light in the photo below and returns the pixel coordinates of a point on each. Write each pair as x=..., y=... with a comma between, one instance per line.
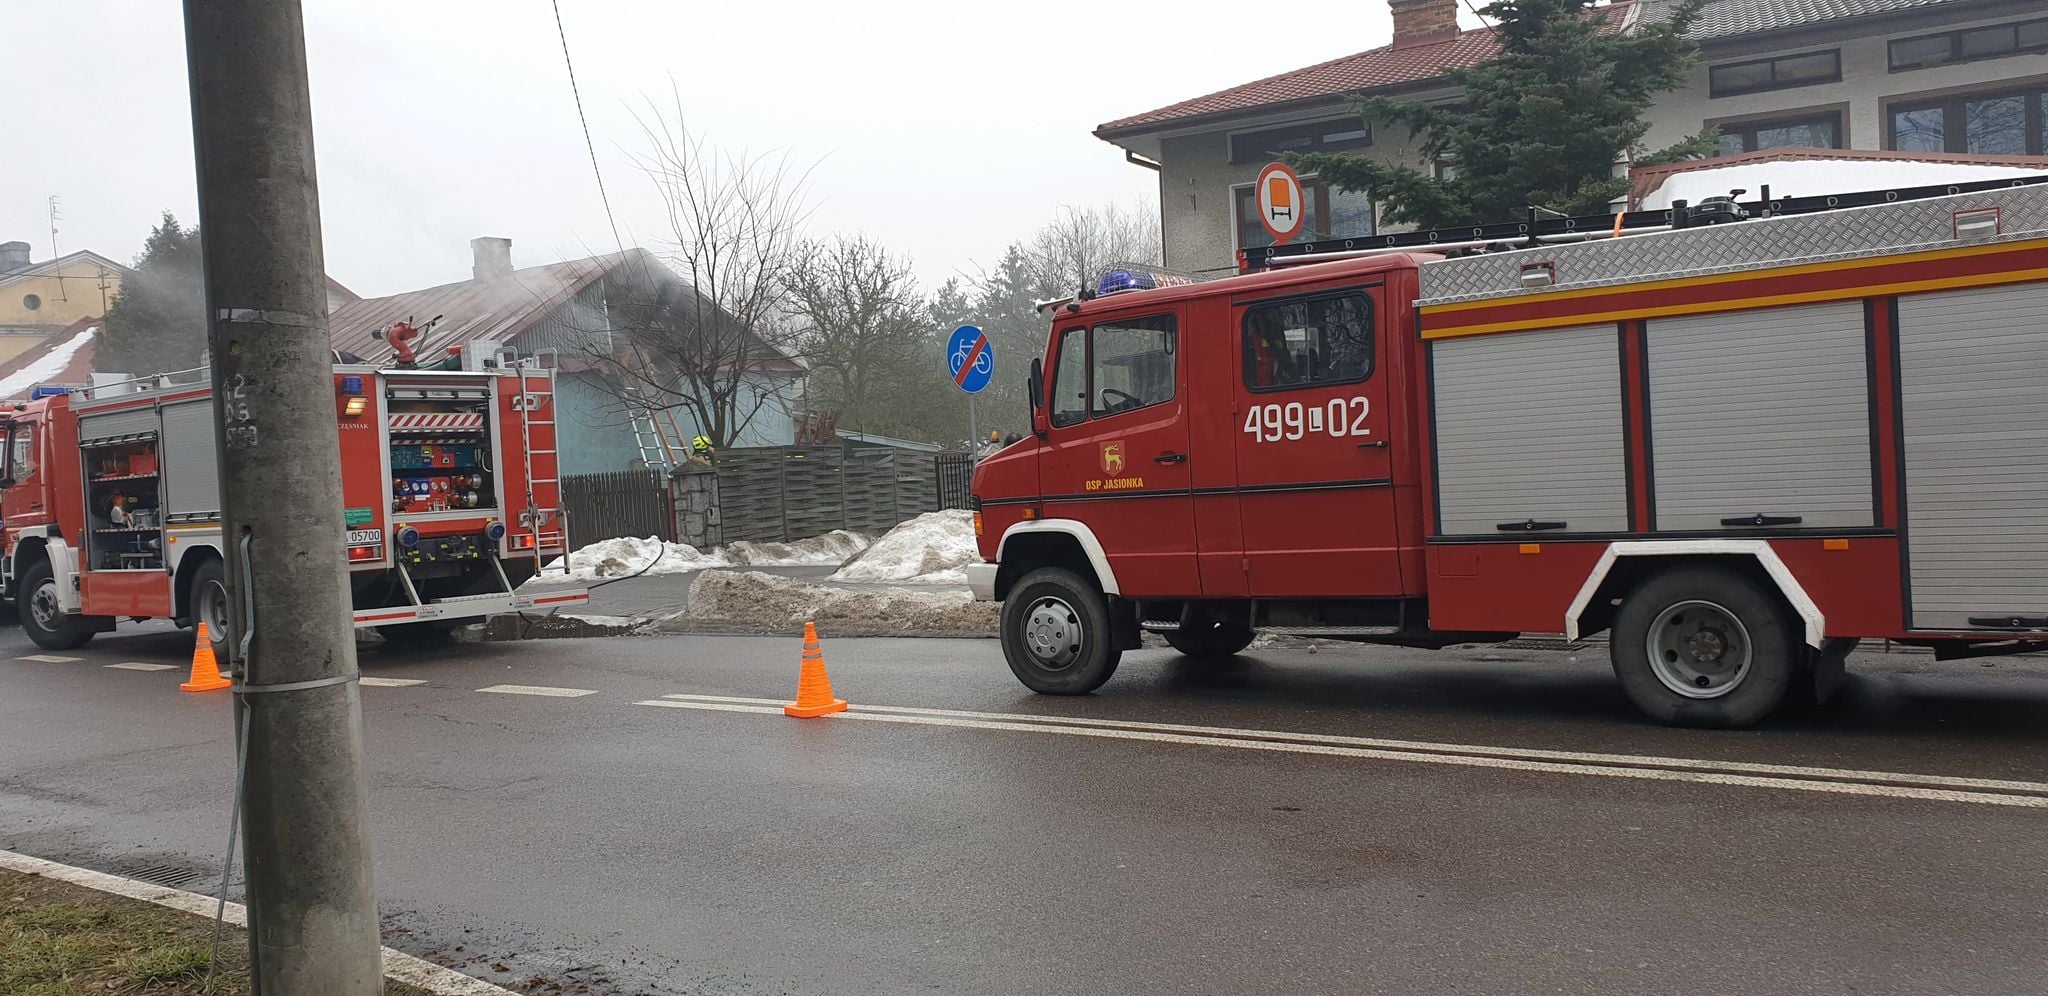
x=1116, y=281
x=47, y=391
x=352, y=385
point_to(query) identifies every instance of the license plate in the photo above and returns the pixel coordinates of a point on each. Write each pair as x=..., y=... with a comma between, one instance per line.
x=365, y=537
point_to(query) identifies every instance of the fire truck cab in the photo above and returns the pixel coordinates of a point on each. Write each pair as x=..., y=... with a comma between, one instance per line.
x=1740, y=448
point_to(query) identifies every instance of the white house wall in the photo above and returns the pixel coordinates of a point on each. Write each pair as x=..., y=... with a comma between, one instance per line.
x=1867, y=88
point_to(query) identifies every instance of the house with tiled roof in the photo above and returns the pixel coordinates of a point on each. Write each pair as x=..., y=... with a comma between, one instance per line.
x=1915, y=76
x=39, y=300
x=577, y=312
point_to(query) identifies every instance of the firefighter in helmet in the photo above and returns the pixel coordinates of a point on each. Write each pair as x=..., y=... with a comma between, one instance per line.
x=700, y=450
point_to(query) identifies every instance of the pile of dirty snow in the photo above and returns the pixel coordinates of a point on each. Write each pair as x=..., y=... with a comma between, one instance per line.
x=617, y=558
x=766, y=602
x=829, y=550
x=930, y=549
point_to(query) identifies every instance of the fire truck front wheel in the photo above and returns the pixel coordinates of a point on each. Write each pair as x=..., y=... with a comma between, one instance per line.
x=41, y=617
x=1704, y=646
x=1056, y=633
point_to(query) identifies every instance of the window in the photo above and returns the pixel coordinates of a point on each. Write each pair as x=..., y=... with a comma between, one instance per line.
x=1130, y=367
x=21, y=452
x=1332, y=214
x=1306, y=342
x=1133, y=365
x=1969, y=44
x=1993, y=124
x=1070, y=379
x=31, y=302
x=1320, y=136
x=1822, y=131
x=1775, y=74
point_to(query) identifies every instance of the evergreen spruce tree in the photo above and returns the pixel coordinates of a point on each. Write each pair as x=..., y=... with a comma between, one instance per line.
x=158, y=320
x=1542, y=123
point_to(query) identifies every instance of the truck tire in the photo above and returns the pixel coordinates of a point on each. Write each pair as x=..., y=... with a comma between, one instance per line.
x=1056, y=635
x=1705, y=646
x=210, y=604
x=1212, y=642
x=41, y=619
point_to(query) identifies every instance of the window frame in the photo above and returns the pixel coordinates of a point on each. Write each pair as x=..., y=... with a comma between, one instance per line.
x=1087, y=333
x=1954, y=108
x=1748, y=127
x=1714, y=89
x=1312, y=186
x=1954, y=38
x=1317, y=132
x=1372, y=338
x=1052, y=411
x=21, y=443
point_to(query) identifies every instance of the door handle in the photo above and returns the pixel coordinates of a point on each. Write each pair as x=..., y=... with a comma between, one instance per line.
x=1376, y=444
x=1170, y=458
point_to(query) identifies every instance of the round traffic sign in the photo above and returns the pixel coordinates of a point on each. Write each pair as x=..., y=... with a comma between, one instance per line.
x=971, y=359
x=1282, y=208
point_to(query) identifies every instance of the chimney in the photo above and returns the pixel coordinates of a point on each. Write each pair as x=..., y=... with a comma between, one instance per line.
x=1418, y=21
x=13, y=256
x=493, y=257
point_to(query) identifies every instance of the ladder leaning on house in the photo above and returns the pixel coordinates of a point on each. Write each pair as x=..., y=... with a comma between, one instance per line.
x=657, y=433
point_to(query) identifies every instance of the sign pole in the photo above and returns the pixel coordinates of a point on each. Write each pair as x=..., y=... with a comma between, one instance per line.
x=973, y=432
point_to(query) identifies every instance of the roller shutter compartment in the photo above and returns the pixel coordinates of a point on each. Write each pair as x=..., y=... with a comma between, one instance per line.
x=191, y=460
x=1973, y=372
x=1528, y=430
x=1761, y=412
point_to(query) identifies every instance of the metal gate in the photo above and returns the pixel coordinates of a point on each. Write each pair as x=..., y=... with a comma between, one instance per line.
x=623, y=503
x=956, y=479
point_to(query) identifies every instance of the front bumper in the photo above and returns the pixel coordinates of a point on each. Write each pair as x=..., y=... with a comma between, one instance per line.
x=981, y=581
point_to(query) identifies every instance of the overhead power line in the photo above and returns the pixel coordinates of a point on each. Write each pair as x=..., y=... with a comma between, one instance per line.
x=588, y=145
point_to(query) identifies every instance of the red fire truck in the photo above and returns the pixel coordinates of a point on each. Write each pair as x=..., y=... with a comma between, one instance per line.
x=1737, y=448
x=112, y=503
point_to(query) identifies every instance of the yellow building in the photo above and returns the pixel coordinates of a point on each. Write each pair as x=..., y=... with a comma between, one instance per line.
x=39, y=300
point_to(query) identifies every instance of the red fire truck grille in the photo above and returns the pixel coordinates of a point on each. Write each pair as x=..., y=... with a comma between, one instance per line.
x=437, y=422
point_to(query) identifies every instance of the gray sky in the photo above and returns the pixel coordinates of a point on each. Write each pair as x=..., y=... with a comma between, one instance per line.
x=943, y=129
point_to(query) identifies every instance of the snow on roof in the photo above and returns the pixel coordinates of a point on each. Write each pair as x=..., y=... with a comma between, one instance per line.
x=48, y=366
x=1810, y=172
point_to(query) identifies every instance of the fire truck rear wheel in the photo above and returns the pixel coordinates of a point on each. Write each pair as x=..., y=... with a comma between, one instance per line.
x=1056, y=633
x=1212, y=642
x=41, y=618
x=210, y=604
x=1705, y=646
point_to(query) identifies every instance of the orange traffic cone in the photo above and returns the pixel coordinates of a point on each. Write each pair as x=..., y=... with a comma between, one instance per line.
x=206, y=676
x=813, y=688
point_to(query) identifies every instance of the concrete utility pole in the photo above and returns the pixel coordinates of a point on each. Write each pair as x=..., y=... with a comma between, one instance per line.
x=313, y=921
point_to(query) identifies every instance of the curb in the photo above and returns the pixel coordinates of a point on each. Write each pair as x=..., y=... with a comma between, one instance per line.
x=397, y=965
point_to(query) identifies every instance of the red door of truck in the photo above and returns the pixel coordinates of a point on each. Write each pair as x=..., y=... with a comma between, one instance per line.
x=1314, y=462
x=1117, y=449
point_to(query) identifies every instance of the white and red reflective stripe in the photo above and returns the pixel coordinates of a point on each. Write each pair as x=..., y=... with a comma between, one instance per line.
x=436, y=421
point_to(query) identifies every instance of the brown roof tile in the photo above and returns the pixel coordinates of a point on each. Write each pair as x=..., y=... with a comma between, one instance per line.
x=1386, y=66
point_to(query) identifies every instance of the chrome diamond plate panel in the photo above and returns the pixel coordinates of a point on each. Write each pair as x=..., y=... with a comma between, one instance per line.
x=1882, y=230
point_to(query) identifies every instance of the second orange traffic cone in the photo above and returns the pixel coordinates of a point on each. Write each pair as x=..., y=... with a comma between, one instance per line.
x=206, y=676
x=813, y=688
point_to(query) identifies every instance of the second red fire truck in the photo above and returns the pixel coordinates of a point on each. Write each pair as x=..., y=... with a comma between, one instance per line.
x=112, y=508
x=1738, y=449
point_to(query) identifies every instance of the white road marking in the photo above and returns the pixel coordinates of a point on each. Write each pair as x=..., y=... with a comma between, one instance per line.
x=560, y=693
x=143, y=666
x=1478, y=750
x=396, y=682
x=48, y=658
x=1896, y=785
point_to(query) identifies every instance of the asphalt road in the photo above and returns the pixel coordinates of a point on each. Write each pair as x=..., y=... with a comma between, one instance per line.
x=708, y=844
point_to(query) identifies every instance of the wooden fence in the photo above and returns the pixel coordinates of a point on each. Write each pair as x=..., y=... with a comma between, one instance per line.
x=619, y=504
x=783, y=493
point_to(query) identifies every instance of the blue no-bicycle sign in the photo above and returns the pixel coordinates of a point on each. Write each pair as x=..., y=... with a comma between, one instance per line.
x=971, y=359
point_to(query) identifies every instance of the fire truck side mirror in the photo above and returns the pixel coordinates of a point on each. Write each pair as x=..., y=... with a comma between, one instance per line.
x=1034, y=386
